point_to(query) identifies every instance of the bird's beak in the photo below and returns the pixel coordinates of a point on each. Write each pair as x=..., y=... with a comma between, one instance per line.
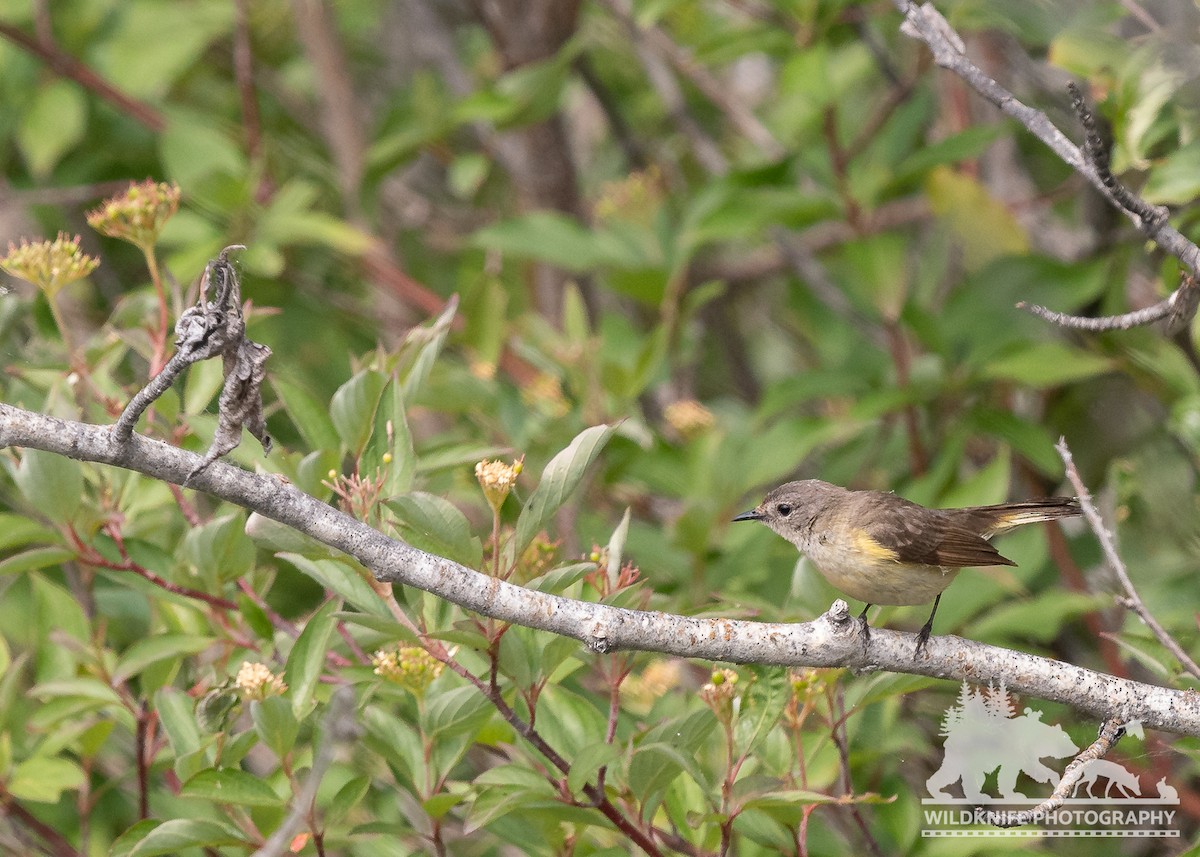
x=752, y=515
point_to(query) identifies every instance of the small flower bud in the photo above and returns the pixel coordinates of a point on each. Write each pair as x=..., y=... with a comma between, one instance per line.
x=138, y=215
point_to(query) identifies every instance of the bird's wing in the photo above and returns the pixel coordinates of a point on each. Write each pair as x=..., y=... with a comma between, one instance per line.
x=928, y=537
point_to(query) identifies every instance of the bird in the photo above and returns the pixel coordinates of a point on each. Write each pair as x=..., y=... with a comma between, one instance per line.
x=882, y=549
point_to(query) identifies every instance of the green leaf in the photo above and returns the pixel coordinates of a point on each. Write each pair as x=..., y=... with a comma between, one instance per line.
x=353, y=409
x=440, y=804
x=430, y=341
x=617, y=546
x=204, y=381
x=219, y=550
x=19, y=530
x=588, y=761
x=341, y=578
x=152, y=650
x=307, y=658
x=968, y=143
x=436, y=525
x=560, y=240
x=1046, y=364
x=53, y=484
x=176, y=712
x=460, y=710
x=561, y=476
x=393, y=438
x=43, y=779
x=128, y=840
x=84, y=688
x=309, y=415
x=1176, y=180
x=35, y=558
x=275, y=724
x=193, y=149
x=54, y=123
x=347, y=797
x=172, y=836
x=231, y=785
x=152, y=44
x=984, y=226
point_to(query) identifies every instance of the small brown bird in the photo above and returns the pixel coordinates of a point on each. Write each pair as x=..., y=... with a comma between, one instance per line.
x=883, y=549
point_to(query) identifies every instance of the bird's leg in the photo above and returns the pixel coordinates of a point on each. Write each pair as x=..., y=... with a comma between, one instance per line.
x=926, y=629
x=863, y=627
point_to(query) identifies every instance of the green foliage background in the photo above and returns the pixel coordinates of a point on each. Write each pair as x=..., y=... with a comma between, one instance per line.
x=602, y=281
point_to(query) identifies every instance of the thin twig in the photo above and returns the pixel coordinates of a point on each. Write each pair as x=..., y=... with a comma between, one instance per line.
x=1178, y=308
x=67, y=66
x=55, y=843
x=339, y=728
x=1131, y=600
x=739, y=116
x=1110, y=732
x=925, y=23
x=1097, y=151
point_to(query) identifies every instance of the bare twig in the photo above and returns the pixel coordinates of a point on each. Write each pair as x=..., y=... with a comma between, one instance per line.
x=340, y=114
x=67, y=66
x=339, y=728
x=925, y=23
x=243, y=67
x=1110, y=732
x=1131, y=600
x=740, y=117
x=830, y=640
x=1178, y=308
x=1096, y=150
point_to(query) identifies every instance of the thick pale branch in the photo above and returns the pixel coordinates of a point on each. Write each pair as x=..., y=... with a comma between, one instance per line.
x=831, y=640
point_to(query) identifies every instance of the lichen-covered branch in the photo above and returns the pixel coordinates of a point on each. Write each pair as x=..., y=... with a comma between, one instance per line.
x=830, y=640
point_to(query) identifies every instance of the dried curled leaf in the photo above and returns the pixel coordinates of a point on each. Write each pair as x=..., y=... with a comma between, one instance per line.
x=208, y=329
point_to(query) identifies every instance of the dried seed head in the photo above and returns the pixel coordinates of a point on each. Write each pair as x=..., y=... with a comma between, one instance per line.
x=49, y=265
x=139, y=214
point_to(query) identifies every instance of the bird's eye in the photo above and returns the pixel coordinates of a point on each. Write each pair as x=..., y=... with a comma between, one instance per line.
x=783, y=509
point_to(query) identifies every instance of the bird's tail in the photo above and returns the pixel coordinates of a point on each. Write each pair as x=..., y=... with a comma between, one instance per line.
x=991, y=520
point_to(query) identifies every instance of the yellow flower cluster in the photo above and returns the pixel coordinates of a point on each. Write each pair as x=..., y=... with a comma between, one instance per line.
x=411, y=667
x=497, y=479
x=49, y=265
x=642, y=690
x=688, y=418
x=256, y=681
x=546, y=393
x=139, y=214
x=637, y=197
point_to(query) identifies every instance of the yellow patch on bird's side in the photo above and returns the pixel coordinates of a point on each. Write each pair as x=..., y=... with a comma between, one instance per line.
x=867, y=546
